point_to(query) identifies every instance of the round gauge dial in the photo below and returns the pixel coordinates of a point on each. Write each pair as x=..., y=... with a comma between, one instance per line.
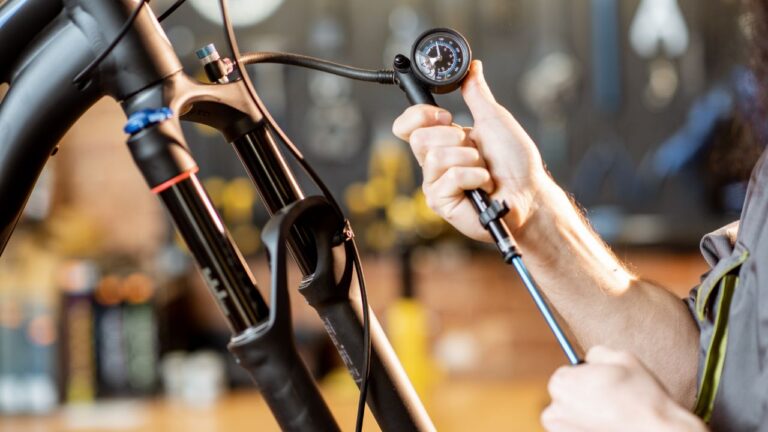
x=441, y=58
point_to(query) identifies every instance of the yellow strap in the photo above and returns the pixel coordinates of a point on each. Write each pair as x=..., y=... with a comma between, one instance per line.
x=705, y=290
x=713, y=365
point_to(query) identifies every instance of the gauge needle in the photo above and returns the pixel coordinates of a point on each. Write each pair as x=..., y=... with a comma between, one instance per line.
x=434, y=60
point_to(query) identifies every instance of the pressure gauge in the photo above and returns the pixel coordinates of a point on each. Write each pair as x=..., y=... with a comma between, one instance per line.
x=441, y=59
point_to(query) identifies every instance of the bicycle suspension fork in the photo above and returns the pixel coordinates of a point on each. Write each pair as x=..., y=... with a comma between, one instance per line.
x=262, y=343
x=391, y=396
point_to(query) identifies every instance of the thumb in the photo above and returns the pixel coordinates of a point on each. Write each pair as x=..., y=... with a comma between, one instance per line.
x=477, y=94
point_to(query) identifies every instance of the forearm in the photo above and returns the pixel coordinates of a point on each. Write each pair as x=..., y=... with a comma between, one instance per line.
x=600, y=300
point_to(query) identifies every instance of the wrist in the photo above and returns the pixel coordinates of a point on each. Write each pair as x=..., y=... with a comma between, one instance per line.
x=537, y=206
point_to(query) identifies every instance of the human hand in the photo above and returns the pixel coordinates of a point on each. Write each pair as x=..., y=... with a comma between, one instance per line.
x=613, y=391
x=495, y=155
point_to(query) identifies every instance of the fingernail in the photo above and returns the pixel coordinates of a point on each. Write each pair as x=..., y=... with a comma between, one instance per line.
x=479, y=65
x=443, y=117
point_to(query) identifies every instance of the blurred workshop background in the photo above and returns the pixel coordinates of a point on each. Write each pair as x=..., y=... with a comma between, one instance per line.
x=640, y=108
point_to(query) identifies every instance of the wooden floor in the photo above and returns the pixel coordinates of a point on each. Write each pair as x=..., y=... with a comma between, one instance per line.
x=453, y=406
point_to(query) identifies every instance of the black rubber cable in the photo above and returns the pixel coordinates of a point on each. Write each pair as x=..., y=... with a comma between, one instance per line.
x=378, y=76
x=170, y=10
x=366, y=338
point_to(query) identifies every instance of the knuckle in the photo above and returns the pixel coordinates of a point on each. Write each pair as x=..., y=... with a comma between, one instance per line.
x=418, y=140
x=417, y=137
x=425, y=115
x=453, y=175
x=455, y=136
x=547, y=417
x=473, y=154
x=397, y=128
x=432, y=158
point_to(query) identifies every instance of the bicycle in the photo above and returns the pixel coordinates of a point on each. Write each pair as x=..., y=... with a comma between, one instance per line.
x=117, y=48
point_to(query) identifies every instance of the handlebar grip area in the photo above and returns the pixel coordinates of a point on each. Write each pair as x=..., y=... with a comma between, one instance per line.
x=284, y=381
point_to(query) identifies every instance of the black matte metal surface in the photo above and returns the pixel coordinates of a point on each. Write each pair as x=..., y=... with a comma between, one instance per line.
x=223, y=268
x=20, y=22
x=277, y=187
x=38, y=109
x=143, y=57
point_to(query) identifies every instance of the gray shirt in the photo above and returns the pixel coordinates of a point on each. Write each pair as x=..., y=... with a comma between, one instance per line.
x=731, y=308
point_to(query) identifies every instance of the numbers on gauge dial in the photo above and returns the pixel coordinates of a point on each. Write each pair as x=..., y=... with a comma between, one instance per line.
x=439, y=58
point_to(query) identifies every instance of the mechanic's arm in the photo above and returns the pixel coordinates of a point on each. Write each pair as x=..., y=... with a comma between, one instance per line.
x=598, y=298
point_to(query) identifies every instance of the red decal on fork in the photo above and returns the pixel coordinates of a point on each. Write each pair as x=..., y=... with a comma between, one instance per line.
x=168, y=183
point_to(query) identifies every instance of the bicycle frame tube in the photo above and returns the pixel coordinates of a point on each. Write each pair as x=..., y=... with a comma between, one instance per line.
x=41, y=106
x=20, y=22
x=37, y=110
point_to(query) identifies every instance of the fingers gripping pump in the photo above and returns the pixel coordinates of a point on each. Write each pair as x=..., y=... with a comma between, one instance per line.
x=438, y=64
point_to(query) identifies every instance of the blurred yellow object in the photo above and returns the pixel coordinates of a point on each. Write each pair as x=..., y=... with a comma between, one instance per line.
x=354, y=197
x=79, y=351
x=178, y=240
x=407, y=330
x=215, y=188
x=379, y=236
x=401, y=213
x=379, y=192
x=247, y=238
x=429, y=225
x=423, y=211
x=391, y=159
x=238, y=199
x=340, y=382
x=73, y=233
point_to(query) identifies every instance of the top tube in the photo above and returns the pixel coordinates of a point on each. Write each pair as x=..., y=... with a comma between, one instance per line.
x=20, y=22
